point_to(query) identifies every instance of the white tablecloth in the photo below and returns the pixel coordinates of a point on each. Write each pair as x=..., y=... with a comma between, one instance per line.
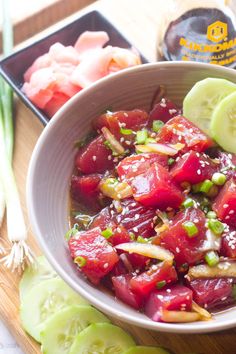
x=7, y=343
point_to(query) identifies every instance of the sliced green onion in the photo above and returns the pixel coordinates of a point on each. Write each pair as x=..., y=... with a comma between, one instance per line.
x=150, y=141
x=205, y=186
x=72, y=232
x=141, y=239
x=218, y=178
x=157, y=125
x=196, y=188
x=190, y=228
x=212, y=258
x=211, y=215
x=160, y=284
x=124, y=131
x=107, y=233
x=132, y=236
x=216, y=226
x=80, y=261
x=171, y=161
x=187, y=203
x=141, y=136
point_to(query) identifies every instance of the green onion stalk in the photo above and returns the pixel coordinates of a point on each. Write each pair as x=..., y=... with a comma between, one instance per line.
x=16, y=228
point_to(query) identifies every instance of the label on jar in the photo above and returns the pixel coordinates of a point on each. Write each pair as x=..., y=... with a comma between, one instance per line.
x=205, y=35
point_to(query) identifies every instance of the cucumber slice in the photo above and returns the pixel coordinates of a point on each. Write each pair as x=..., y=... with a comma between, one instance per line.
x=61, y=329
x=146, y=350
x=202, y=99
x=223, y=124
x=42, y=301
x=34, y=274
x=101, y=338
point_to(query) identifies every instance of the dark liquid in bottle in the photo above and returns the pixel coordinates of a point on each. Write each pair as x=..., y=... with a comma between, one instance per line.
x=203, y=34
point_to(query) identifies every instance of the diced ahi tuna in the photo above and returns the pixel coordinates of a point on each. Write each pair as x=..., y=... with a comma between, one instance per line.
x=147, y=281
x=123, y=291
x=163, y=110
x=84, y=189
x=181, y=130
x=211, y=293
x=134, y=165
x=225, y=203
x=154, y=188
x=172, y=298
x=193, y=167
x=95, y=157
x=176, y=239
x=228, y=243
x=95, y=261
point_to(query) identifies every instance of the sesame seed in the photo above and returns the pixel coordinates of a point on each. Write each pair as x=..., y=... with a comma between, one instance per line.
x=105, y=265
x=109, y=157
x=224, y=298
x=172, y=111
x=135, y=229
x=122, y=139
x=136, y=216
x=225, y=206
x=94, y=158
x=198, y=171
x=231, y=212
x=168, y=290
x=118, y=229
x=161, y=297
x=177, y=250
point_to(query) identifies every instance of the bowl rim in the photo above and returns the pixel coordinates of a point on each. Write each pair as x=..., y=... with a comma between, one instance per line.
x=205, y=327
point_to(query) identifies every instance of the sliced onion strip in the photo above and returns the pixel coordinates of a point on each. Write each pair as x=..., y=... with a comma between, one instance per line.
x=180, y=316
x=148, y=250
x=221, y=270
x=116, y=146
x=204, y=313
x=164, y=149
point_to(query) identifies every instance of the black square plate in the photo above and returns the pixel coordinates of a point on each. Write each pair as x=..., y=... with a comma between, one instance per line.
x=13, y=67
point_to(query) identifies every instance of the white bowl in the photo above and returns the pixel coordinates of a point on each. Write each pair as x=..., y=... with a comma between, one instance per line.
x=52, y=163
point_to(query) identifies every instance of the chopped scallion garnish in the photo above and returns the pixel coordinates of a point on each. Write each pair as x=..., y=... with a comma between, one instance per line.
x=205, y=186
x=72, y=232
x=141, y=136
x=212, y=258
x=160, y=284
x=107, y=233
x=216, y=226
x=190, y=228
x=171, y=161
x=124, y=131
x=157, y=125
x=141, y=239
x=218, y=178
x=80, y=261
x=187, y=203
x=150, y=141
x=211, y=215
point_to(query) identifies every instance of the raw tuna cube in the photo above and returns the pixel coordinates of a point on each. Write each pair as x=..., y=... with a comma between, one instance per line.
x=193, y=167
x=186, y=249
x=135, y=218
x=95, y=157
x=124, y=293
x=98, y=256
x=228, y=243
x=137, y=260
x=181, y=130
x=84, y=189
x=174, y=298
x=134, y=165
x=154, y=188
x=163, y=110
x=115, y=121
x=145, y=282
x=211, y=293
x=225, y=203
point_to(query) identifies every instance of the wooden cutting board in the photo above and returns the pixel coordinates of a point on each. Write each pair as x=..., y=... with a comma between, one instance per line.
x=132, y=17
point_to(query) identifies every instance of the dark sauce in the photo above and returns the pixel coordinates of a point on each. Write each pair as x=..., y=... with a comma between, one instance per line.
x=205, y=35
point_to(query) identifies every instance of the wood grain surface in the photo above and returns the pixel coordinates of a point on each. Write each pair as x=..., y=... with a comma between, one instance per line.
x=138, y=19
